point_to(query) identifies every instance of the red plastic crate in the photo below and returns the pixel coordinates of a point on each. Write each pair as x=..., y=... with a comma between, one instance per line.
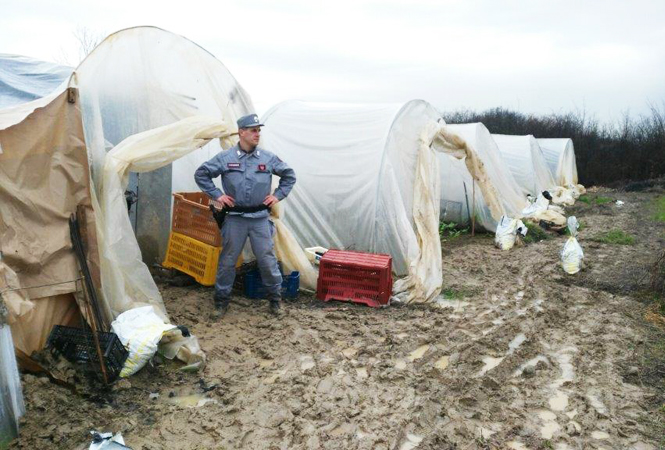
x=354, y=276
x=192, y=217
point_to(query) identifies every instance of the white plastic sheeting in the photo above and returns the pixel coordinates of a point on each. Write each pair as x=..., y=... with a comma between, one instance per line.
x=457, y=186
x=142, y=78
x=24, y=79
x=126, y=280
x=367, y=180
x=560, y=158
x=11, y=396
x=526, y=162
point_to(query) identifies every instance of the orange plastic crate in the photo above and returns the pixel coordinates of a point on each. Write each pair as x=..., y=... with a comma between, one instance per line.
x=194, y=258
x=192, y=217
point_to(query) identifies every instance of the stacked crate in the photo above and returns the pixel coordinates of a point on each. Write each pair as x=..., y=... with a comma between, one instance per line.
x=195, y=241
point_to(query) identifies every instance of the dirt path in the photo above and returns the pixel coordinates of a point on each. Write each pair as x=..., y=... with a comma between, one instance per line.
x=518, y=356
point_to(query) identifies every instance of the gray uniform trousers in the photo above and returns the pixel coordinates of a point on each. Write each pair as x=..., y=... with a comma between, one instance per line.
x=235, y=231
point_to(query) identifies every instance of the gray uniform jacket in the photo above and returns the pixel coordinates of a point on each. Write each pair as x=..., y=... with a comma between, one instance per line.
x=246, y=177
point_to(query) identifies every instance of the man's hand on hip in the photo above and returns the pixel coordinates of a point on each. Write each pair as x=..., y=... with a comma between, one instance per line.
x=226, y=200
x=270, y=201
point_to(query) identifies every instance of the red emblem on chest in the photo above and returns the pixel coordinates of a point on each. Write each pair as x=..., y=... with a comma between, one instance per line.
x=262, y=167
x=233, y=165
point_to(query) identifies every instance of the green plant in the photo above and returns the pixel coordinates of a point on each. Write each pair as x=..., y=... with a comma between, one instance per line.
x=597, y=200
x=602, y=200
x=452, y=294
x=451, y=230
x=535, y=233
x=659, y=214
x=617, y=237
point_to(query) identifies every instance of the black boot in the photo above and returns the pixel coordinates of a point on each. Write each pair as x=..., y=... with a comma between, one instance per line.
x=221, y=307
x=275, y=308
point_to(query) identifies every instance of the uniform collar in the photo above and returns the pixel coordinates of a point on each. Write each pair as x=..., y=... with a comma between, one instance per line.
x=241, y=154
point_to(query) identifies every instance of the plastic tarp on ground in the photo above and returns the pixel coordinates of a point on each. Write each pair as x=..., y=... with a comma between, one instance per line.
x=11, y=396
x=142, y=78
x=560, y=157
x=368, y=180
x=525, y=160
x=457, y=185
x=23, y=79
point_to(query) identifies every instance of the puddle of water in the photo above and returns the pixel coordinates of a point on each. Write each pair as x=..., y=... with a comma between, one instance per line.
x=271, y=379
x=400, y=364
x=490, y=363
x=362, y=372
x=597, y=404
x=307, y=363
x=599, y=435
x=457, y=305
x=350, y=352
x=559, y=402
x=485, y=433
x=419, y=352
x=442, y=363
x=531, y=362
x=563, y=359
x=550, y=426
x=410, y=442
x=191, y=401
x=345, y=428
x=515, y=343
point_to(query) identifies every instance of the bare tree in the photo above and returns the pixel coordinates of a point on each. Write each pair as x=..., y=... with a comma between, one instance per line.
x=86, y=40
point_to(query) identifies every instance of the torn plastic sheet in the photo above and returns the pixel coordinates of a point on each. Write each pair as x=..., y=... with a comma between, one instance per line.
x=11, y=396
x=542, y=210
x=107, y=441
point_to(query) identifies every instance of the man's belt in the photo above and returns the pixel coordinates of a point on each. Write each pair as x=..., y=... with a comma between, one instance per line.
x=220, y=214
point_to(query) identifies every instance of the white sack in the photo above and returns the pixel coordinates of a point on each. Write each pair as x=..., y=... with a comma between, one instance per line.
x=506, y=232
x=572, y=254
x=140, y=331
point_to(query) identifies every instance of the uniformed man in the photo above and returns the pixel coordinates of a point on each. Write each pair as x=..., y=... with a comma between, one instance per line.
x=246, y=170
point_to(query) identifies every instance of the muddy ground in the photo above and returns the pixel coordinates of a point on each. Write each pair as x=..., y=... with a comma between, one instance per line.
x=519, y=356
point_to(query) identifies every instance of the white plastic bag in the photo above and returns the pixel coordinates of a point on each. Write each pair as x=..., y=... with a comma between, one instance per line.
x=314, y=254
x=572, y=253
x=506, y=232
x=140, y=330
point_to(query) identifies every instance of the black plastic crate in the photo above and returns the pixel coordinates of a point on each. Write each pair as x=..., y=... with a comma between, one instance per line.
x=77, y=345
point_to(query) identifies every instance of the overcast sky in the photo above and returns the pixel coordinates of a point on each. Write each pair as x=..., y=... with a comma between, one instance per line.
x=534, y=56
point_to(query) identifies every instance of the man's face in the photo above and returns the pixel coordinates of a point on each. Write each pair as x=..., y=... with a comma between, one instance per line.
x=250, y=136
